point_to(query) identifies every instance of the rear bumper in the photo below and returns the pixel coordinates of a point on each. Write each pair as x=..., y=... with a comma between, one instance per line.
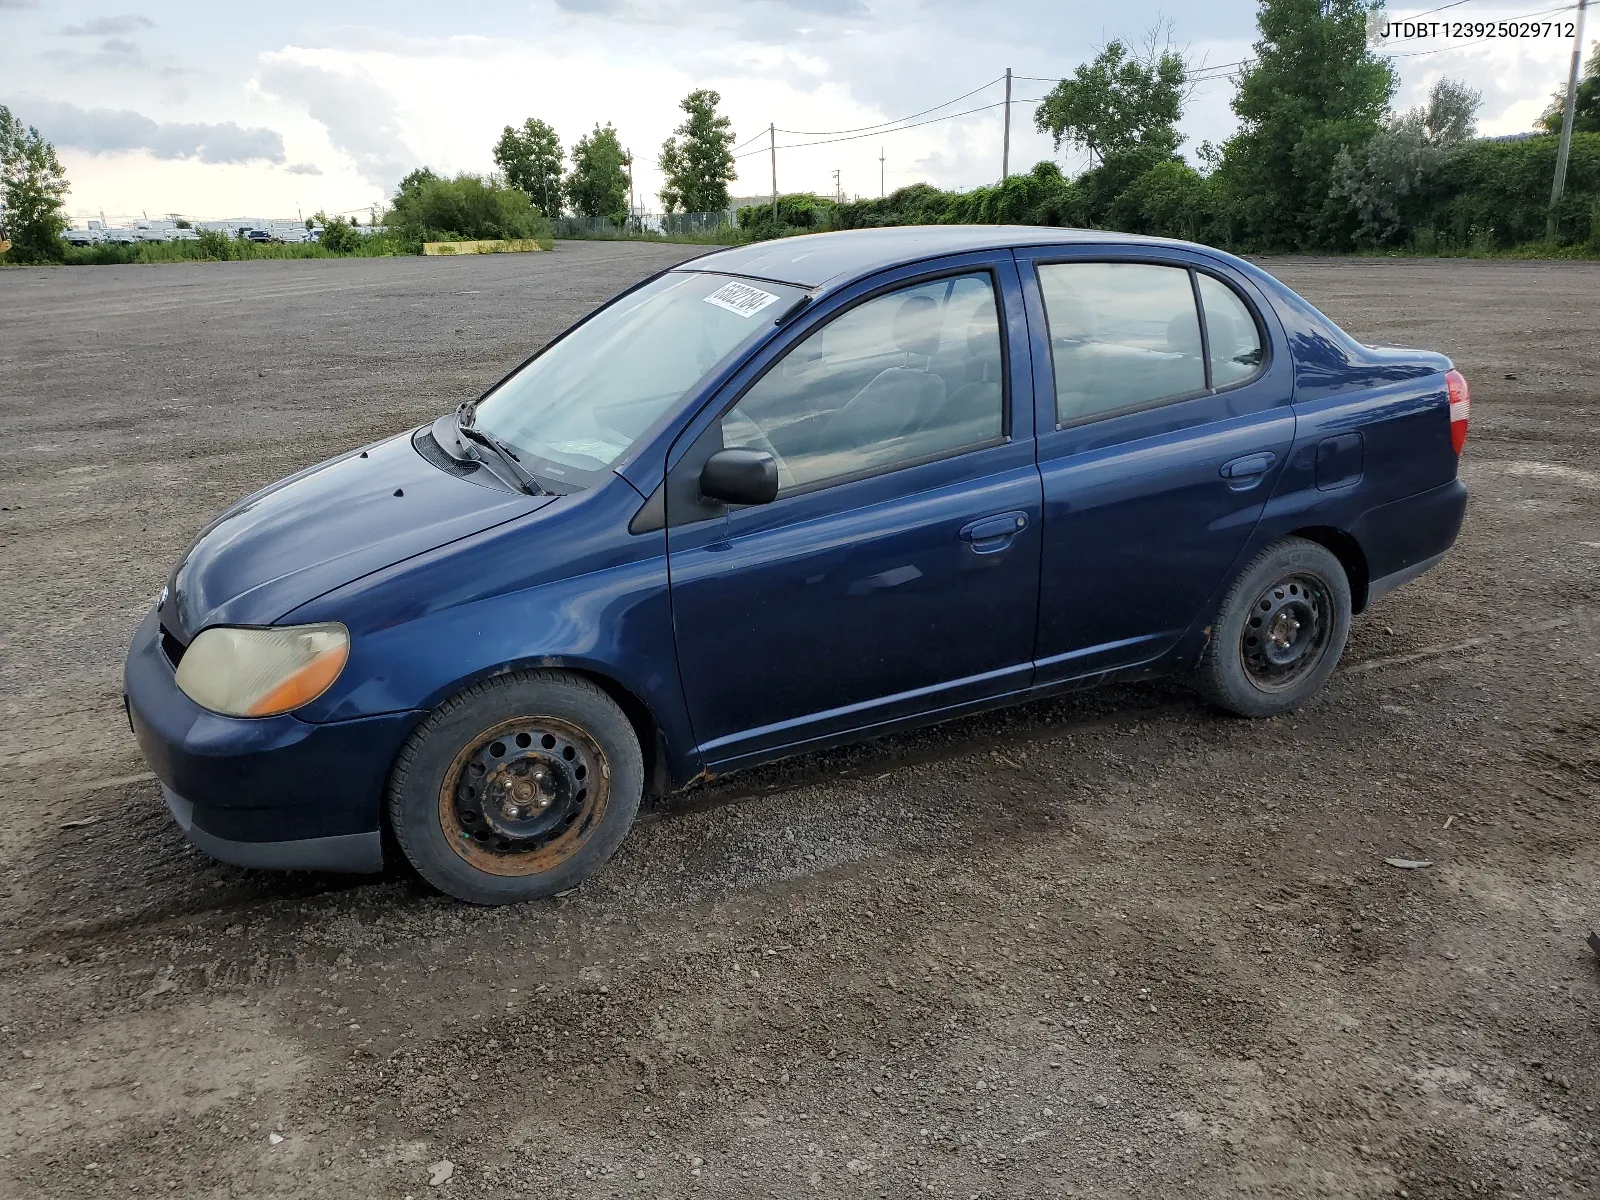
x=1406, y=537
x=1381, y=587
x=272, y=792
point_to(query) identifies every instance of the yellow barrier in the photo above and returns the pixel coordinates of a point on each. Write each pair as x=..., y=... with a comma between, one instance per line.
x=487, y=246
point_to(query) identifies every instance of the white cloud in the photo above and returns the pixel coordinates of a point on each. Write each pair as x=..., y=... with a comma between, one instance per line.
x=359, y=115
x=108, y=131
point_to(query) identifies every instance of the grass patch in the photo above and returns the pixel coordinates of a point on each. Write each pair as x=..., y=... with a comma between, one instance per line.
x=218, y=250
x=489, y=246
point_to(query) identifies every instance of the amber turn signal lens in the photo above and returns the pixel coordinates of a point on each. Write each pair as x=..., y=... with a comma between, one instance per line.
x=305, y=685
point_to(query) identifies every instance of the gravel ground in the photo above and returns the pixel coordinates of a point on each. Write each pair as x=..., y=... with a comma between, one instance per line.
x=1114, y=945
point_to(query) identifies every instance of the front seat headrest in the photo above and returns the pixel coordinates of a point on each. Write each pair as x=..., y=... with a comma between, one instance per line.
x=1070, y=317
x=1183, y=334
x=982, y=329
x=916, y=326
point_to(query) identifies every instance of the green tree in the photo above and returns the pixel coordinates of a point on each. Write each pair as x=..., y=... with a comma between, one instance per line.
x=1451, y=114
x=1313, y=90
x=1119, y=103
x=598, y=183
x=32, y=186
x=699, y=168
x=415, y=182
x=530, y=158
x=1389, y=181
x=1586, y=112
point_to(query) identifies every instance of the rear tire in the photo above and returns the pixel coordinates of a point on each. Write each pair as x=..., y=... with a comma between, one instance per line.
x=1280, y=631
x=516, y=788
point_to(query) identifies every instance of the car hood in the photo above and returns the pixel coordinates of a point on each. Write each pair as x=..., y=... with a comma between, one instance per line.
x=324, y=527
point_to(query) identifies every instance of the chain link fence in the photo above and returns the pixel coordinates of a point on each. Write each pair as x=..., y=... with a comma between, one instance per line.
x=660, y=224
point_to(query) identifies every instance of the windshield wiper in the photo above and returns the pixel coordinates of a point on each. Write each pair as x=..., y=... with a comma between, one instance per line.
x=466, y=416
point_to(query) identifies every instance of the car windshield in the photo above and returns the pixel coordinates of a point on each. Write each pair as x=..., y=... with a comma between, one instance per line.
x=578, y=406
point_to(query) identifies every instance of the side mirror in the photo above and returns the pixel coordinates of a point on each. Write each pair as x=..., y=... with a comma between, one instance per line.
x=740, y=476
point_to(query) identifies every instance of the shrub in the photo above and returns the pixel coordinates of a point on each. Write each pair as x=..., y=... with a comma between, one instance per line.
x=212, y=244
x=339, y=236
x=466, y=208
x=802, y=212
x=1498, y=193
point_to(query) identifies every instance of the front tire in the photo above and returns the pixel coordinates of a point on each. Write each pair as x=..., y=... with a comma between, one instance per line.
x=1280, y=632
x=516, y=788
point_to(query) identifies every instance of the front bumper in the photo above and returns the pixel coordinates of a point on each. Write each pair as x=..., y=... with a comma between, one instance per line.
x=274, y=792
x=358, y=852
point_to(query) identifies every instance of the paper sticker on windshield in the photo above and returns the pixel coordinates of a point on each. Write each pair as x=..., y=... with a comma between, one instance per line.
x=741, y=298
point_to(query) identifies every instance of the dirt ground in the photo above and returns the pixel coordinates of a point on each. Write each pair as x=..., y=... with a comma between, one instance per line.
x=1116, y=945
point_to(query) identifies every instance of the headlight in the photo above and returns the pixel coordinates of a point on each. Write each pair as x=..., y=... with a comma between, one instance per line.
x=262, y=672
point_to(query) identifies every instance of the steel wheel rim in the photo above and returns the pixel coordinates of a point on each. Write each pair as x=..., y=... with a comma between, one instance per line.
x=1286, y=634
x=524, y=796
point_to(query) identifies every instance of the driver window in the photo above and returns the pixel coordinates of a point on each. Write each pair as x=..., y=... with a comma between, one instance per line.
x=905, y=377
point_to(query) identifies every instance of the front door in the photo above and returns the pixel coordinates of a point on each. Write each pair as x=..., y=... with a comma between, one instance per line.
x=897, y=572
x=1165, y=421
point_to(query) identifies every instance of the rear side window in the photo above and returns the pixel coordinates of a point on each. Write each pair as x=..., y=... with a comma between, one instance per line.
x=1122, y=336
x=1231, y=332
x=905, y=377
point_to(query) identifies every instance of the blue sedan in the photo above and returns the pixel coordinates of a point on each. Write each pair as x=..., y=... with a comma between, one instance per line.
x=785, y=496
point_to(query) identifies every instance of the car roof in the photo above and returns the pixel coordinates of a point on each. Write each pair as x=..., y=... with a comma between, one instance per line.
x=816, y=259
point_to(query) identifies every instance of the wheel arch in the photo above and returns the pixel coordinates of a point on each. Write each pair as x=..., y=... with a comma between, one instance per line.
x=659, y=775
x=1351, y=557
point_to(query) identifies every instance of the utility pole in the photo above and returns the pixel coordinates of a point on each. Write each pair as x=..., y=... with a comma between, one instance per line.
x=881, y=192
x=1567, y=115
x=772, y=135
x=631, y=209
x=838, y=192
x=1005, y=150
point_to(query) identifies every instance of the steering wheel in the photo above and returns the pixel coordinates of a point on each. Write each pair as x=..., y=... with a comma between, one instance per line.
x=740, y=430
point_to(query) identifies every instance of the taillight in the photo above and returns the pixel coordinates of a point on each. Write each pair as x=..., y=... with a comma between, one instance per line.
x=1460, y=408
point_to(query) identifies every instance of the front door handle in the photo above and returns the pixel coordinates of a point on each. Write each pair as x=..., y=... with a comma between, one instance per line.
x=990, y=534
x=1244, y=473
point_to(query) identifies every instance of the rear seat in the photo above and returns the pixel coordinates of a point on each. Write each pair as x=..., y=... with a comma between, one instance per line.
x=1095, y=377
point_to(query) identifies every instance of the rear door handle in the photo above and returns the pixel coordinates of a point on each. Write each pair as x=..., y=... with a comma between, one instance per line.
x=989, y=534
x=1244, y=473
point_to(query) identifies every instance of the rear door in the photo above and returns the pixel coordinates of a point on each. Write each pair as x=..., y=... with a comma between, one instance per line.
x=897, y=572
x=1163, y=389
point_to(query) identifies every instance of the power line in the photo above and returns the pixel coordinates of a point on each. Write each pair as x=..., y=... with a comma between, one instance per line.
x=1197, y=73
x=896, y=121
x=915, y=125
x=1441, y=8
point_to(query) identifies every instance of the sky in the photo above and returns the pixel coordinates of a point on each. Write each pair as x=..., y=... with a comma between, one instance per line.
x=281, y=109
